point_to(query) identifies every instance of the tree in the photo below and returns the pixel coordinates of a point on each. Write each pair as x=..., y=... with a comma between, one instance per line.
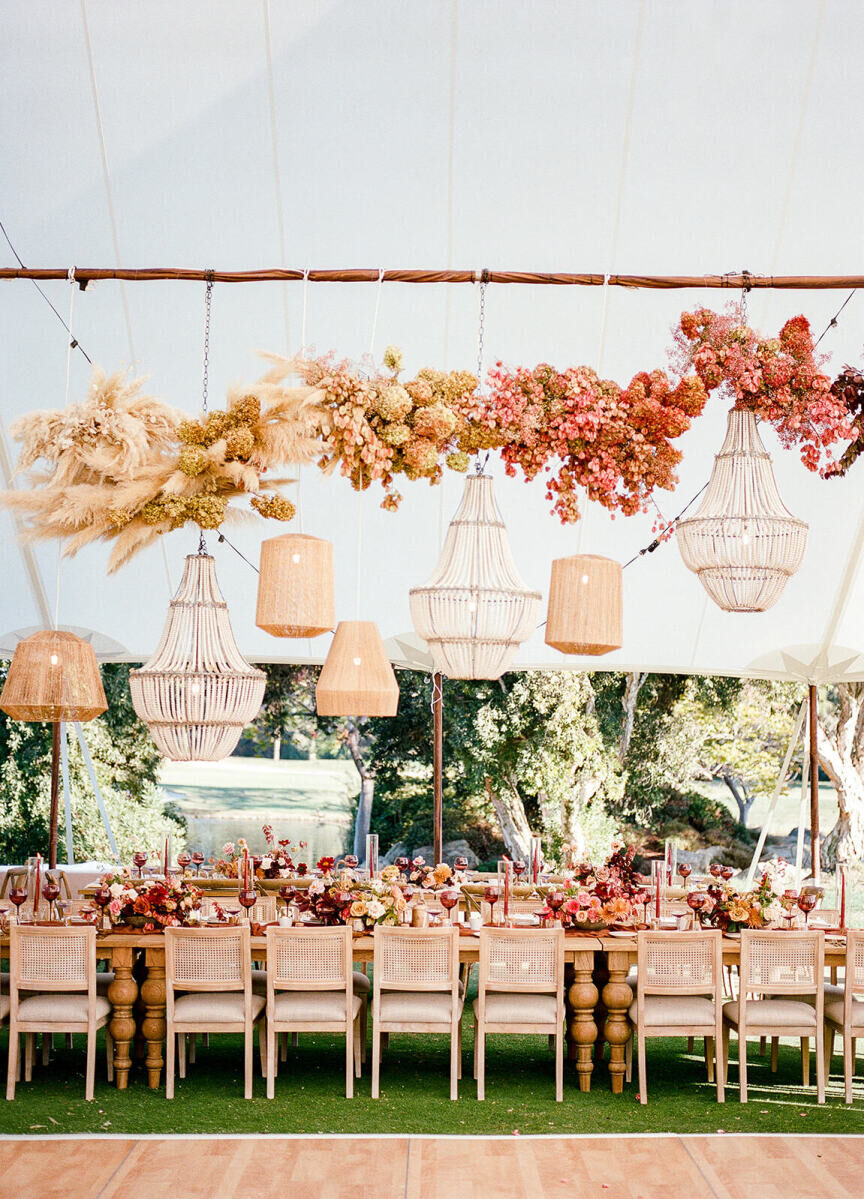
x=840, y=745
x=288, y=713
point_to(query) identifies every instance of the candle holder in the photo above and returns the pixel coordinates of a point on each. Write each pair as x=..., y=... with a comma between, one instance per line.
x=372, y=854
x=536, y=859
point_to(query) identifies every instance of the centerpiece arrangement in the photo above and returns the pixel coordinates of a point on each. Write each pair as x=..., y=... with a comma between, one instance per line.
x=149, y=904
x=596, y=897
x=722, y=906
x=282, y=859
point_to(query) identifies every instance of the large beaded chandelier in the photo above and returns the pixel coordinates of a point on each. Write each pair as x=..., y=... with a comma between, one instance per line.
x=742, y=541
x=475, y=611
x=197, y=692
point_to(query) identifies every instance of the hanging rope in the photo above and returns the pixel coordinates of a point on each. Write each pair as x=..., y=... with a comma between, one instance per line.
x=481, y=333
x=205, y=374
x=277, y=175
x=375, y=317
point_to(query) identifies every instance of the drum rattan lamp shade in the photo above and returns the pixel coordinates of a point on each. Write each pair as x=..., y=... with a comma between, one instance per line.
x=475, y=611
x=742, y=541
x=295, y=586
x=584, y=614
x=357, y=678
x=53, y=676
x=197, y=693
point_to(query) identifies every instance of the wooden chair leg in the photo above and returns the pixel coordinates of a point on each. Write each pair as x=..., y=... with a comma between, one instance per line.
x=109, y=1054
x=455, y=1043
x=643, y=1073
x=364, y=1025
x=775, y=1054
x=90, y=1077
x=628, y=1059
x=193, y=1045
x=475, y=1049
x=459, y=1052
x=358, y=1049
x=691, y=1044
x=271, y=1061
x=29, y=1054
x=295, y=1039
x=181, y=1054
x=829, y=1050
x=47, y=1045
x=559, y=1066
x=376, y=1060
x=819, y=1050
x=385, y=1040
x=170, y=1048
x=248, y=1055
x=709, y=1057
x=69, y=1042
x=848, y=1064
x=480, y=1060
x=725, y=1054
x=805, y=1061
x=262, y=1046
x=13, y=1064
x=763, y=1046
x=742, y=1067
x=283, y=1046
x=205, y=1040
x=350, y=1032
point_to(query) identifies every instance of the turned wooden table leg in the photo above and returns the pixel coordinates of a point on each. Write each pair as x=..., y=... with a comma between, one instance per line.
x=581, y=1027
x=153, y=1026
x=139, y=973
x=122, y=994
x=617, y=998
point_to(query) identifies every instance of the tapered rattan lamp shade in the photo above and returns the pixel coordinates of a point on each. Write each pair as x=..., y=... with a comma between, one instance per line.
x=584, y=614
x=742, y=542
x=357, y=678
x=197, y=693
x=295, y=586
x=475, y=611
x=53, y=676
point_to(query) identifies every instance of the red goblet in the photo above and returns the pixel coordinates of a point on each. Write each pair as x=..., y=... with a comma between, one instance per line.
x=402, y=863
x=460, y=865
x=726, y=873
x=519, y=867
x=449, y=900
x=139, y=858
x=184, y=860
x=685, y=871
x=18, y=896
x=490, y=894
x=102, y=897
x=51, y=893
x=697, y=901
x=715, y=870
x=644, y=896
x=197, y=861
x=351, y=861
x=247, y=899
x=807, y=901
x=555, y=901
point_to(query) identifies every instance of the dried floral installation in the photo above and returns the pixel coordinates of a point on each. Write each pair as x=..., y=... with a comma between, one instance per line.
x=121, y=466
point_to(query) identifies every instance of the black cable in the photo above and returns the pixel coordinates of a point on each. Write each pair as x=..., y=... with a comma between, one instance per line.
x=832, y=324
x=658, y=541
x=222, y=537
x=74, y=343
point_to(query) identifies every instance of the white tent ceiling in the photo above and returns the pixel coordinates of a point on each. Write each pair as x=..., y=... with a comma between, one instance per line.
x=635, y=137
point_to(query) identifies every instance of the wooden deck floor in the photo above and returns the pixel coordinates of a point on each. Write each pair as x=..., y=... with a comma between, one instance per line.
x=708, y=1167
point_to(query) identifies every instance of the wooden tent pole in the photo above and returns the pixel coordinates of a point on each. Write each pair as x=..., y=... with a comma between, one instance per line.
x=54, y=815
x=438, y=767
x=815, y=843
x=85, y=275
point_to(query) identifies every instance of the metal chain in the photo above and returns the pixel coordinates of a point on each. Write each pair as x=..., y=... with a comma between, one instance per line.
x=484, y=281
x=744, y=293
x=205, y=374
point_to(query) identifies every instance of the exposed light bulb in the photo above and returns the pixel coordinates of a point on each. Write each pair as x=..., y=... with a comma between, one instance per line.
x=54, y=659
x=472, y=607
x=356, y=661
x=584, y=578
x=195, y=688
x=295, y=557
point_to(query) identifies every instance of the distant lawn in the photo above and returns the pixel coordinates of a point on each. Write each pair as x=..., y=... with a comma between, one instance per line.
x=787, y=810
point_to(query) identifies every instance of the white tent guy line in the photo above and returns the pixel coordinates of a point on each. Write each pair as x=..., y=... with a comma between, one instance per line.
x=563, y=135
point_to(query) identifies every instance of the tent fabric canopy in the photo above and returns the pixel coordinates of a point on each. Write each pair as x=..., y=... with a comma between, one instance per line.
x=632, y=138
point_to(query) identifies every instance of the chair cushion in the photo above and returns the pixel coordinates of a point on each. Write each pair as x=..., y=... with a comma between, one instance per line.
x=259, y=981
x=59, y=1006
x=773, y=1013
x=417, y=1007
x=218, y=1007
x=362, y=983
x=518, y=1007
x=104, y=979
x=669, y=1011
x=326, y=1006
x=4, y=1008
x=834, y=1010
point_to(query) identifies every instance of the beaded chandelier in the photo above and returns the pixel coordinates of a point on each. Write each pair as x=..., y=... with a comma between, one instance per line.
x=475, y=611
x=742, y=542
x=197, y=693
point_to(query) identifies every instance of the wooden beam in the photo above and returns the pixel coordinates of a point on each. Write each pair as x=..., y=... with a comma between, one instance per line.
x=438, y=767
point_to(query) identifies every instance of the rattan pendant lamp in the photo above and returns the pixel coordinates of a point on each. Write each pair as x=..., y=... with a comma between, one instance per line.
x=197, y=692
x=295, y=586
x=585, y=608
x=742, y=542
x=53, y=676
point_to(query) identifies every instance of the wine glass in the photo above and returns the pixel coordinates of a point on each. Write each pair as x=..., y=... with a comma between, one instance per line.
x=460, y=865
x=139, y=858
x=490, y=894
x=449, y=900
x=184, y=860
x=102, y=897
x=644, y=896
x=555, y=901
x=726, y=873
x=697, y=901
x=402, y=863
x=807, y=901
x=197, y=862
x=685, y=871
x=519, y=868
x=715, y=870
x=351, y=861
x=18, y=896
x=247, y=899
x=51, y=892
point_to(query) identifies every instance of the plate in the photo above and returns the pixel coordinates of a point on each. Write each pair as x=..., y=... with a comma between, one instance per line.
x=620, y=933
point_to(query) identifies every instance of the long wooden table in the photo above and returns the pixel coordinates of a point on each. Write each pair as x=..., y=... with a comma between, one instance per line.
x=598, y=996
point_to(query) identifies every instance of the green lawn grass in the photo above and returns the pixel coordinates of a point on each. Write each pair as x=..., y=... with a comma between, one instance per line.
x=415, y=1095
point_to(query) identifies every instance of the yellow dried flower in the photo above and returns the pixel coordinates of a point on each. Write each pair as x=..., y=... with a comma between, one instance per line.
x=191, y=432
x=458, y=461
x=192, y=460
x=153, y=512
x=247, y=410
x=478, y=437
x=422, y=456
x=239, y=442
x=457, y=384
x=119, y=517
x=208, y=511
x=395, y=434
x=435, y=421
x=393, y=359
x=216, y=426
x=391, y=501
x=274, y=507
x=393, y=403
